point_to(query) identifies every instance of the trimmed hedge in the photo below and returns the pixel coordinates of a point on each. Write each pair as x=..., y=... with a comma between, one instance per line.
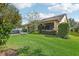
x=63, y=30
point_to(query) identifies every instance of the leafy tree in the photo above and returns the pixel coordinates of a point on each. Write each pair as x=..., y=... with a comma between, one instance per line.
x=33, y=18
x=76, y=29
x=40, y=27
x=9, y=18
x=72, y=24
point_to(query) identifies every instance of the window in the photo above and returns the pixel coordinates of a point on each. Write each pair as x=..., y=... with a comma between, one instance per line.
x=49, y=26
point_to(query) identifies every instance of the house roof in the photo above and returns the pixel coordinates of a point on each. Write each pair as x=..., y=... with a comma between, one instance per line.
x=57, y=18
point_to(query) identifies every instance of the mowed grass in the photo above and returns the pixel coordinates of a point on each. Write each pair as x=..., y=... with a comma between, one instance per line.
x=50, y=45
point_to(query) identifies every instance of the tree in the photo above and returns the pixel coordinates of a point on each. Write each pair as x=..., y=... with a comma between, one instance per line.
x=63, y=30
x=72, y=24
x=33, y=18
x=76, y=28
x=9, y=18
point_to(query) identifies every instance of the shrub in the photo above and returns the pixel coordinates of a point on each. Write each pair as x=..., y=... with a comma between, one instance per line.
x=26, y=51
x=63, y=30
x=23, y=51
x=24, y=30
x=36, y=52
x=76, y=29
x=40, y=27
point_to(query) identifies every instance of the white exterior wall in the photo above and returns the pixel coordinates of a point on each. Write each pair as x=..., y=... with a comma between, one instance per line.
x=55, y=25
x=64, y=19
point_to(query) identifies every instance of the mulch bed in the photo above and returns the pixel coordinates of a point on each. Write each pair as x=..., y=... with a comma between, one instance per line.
x=8, y=52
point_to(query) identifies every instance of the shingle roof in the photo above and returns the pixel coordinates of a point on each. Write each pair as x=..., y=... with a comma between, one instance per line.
x=58, y=18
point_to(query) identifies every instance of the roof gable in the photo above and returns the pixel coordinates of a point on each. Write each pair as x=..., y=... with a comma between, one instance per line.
x=57, y=18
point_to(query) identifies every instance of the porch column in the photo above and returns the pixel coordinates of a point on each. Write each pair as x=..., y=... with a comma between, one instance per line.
x=55, y=26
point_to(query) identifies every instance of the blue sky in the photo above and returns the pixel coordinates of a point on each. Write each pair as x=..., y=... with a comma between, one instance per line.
x=48, y=9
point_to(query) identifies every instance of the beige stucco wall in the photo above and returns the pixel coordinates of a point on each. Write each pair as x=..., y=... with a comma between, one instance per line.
x=64, y=19
x=56, y=25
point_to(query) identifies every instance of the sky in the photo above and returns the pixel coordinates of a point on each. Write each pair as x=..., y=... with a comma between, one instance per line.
x=46, y=10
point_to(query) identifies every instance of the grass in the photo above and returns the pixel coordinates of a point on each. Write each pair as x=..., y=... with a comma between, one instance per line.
x=74, y=33
x=50, y=45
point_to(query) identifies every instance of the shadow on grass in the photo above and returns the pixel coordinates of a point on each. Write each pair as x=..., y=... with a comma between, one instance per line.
x=56, y=36
x=47, y=35
x=74, y=33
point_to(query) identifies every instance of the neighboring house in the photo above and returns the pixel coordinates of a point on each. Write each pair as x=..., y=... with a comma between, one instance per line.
x=50, y=24
x=29, y=27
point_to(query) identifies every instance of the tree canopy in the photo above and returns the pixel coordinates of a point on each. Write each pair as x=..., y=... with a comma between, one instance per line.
x=9, y=18
x=34, y=18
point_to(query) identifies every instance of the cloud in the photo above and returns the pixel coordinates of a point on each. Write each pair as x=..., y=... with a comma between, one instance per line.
x=77, y=20
x=43, y=15
x=22, y=5
x=65, y=7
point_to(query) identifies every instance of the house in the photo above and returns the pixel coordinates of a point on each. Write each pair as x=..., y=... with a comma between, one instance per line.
x=29, y=27
x=50, y=24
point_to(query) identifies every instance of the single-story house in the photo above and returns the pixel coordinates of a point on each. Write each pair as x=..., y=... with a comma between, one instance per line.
x=50, y=24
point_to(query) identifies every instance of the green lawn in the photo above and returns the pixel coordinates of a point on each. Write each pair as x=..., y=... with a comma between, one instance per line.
x=50, y=45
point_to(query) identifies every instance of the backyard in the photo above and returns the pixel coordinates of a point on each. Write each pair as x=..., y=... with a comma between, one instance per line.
x=49, y=45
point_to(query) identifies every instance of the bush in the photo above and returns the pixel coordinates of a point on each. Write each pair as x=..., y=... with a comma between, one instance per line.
x=40, y=27
x=24, y=30
x=26, y=51
x=23, y=51
x=37, y=52
x=76, y=29
x=63, y=30
x=74, y=33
